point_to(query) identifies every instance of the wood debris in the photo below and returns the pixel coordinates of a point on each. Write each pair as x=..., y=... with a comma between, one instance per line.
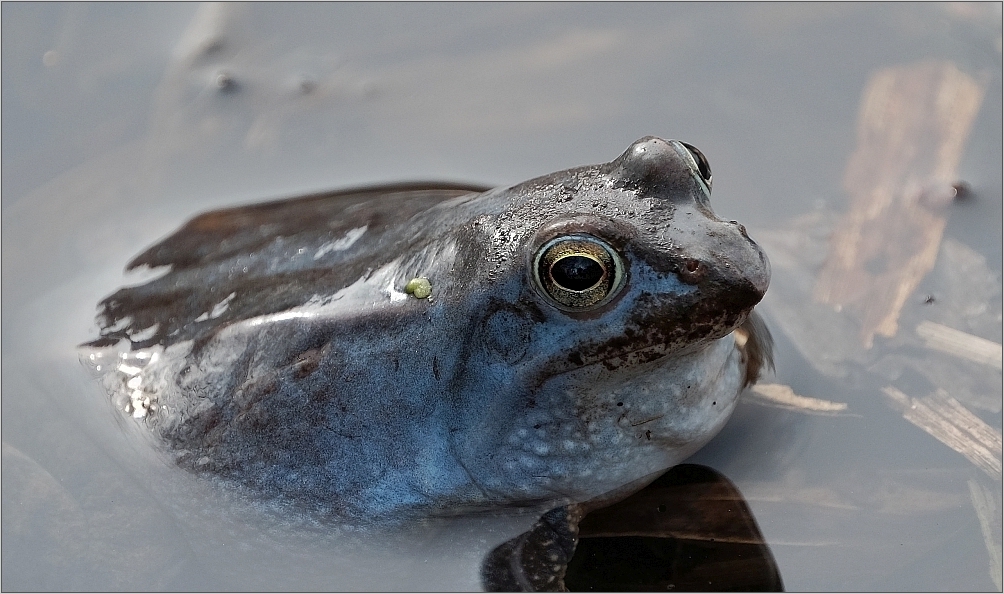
x=912, y=129
x=961, y=344
x=785, y=397
x=989, y=513
x=953, y=425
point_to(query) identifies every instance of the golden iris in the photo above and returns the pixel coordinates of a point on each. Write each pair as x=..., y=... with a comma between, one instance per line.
x=578, y=272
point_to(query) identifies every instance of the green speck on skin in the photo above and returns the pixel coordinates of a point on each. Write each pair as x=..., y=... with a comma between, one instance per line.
x=419, y=287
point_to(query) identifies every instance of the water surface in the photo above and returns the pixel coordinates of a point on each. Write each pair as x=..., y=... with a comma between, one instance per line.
x=121, y=121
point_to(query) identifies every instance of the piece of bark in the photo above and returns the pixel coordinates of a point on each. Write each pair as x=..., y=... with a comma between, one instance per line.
x=988, y=510
x=961, y=344
x=912, y=129
x=784, y=397
x=953, y=425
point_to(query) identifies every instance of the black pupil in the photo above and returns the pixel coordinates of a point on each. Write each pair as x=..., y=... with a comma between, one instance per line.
x=576, y=273
x=702, y=163
x=705, y=170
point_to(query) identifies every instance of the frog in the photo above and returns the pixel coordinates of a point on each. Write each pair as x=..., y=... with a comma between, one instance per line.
x=422, y=349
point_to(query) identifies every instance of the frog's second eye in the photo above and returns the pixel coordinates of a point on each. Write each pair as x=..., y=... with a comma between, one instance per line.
x=702, y=162
x=578, y=272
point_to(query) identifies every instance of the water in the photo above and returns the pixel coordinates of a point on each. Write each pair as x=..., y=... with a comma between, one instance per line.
x=122, y=121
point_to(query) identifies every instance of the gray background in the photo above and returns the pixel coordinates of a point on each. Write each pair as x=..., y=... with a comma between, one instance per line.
x=115, y=131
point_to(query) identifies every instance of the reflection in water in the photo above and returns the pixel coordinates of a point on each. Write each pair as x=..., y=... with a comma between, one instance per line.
x=689, y=530
x=913, y=124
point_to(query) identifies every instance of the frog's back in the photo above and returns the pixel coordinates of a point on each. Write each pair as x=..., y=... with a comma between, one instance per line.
x=239, y=263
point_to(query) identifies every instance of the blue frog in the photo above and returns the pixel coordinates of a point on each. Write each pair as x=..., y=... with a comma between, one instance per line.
x=437, y=349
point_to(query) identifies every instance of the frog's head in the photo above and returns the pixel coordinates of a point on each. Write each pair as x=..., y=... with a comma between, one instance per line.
x=613, y=286
x=626, y=262
x=648, y=266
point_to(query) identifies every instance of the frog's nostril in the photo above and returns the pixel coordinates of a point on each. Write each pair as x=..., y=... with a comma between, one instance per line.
x=693, y=272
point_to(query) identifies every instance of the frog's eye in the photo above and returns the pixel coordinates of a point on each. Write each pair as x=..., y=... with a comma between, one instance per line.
x=702, y=162
x=578, y=272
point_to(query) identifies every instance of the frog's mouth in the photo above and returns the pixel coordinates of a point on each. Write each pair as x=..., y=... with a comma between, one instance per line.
x=674, y=346
x=622, y=361
x=675, y=327
x=640, y=356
